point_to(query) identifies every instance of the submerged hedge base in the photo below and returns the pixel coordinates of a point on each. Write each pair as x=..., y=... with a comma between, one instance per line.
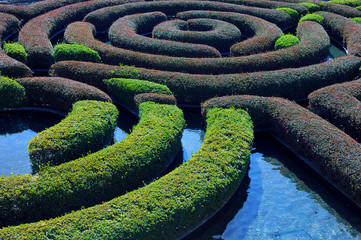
x=59, y=93
x=171, y=205
x=331, y=151
x=293, y=83
x=340, y=105
x=124, y=90
x=98, y=177
x=345, y=29
x=125, y=31
x=34, y=36
x=313, y=47
x=12, y=94
x=262, y=34
x=86, y=129
x=9, y=66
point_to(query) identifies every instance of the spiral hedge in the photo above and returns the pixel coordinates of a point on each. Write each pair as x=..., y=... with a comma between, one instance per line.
x=111, y=193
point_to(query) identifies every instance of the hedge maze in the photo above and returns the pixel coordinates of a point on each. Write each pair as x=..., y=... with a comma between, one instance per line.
x=217, y=55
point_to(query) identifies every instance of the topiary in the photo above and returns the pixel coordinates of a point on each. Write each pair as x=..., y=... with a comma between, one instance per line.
x=293, y=13
x=63, y=52
x=12, y=94
x=313, y=17
x=311, y=6
x=286, y=41
x=16, y=51
x=357, y=19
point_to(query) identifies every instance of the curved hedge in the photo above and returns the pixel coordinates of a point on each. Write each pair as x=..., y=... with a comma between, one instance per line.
x=313, y=46
x=63, y=52
x=86, y=129
x=34, y=36
x=330, y=151
x=98, y=177
x=293, y=83
x=59, y=93
x=154, y=97
x=340, y=105
x=345, y=30
x=125, y=31
x=170, y=206
x=124, y=90
x=313, y=17
x=12, y=94
x=9, y=66
x=211, y=32
x=262, y=34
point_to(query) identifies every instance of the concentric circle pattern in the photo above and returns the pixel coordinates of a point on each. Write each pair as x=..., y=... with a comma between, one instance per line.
x=218, y=55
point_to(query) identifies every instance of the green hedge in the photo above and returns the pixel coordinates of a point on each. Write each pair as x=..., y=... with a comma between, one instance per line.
x=356, y=19
x=86, y=129
x=63, y=52
x=286, y=41
x=59, y=93
x=331, y=151
x=351, y=3
x=154, y=97
x=312, y=7
x=16, y=51
x=170, y=206
x=262, y=34
x=124, y=33
x=124, y=90
x=12, y=94
x=339, y=104
x=98, y=177
x=293, y=13
x=313, y=17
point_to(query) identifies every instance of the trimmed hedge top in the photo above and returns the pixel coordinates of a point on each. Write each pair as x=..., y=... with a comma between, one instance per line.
x=16, y=51
x=313, y=17
x=12, y=94
x=63, y=52
x=286, y=41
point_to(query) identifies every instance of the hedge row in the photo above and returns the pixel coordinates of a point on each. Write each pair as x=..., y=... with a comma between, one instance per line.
x=345, y=29
x=86, y=129
x=103, y=18
x=125, y=31
x=154, y=97
x=34, y=36
x=97, y=177
x=262, y=34
x=63, y=52
x=294, y=83
x=331, y=151
x=211, y=32
x=170, y=206
x=12, y=94
x=59, y=93
x=124, y=90
x=16, y=51
x=340, y=105
x=313, y=46
x=9, y=66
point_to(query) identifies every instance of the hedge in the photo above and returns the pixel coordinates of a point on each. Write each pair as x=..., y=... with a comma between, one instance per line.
x=262, y=34
x=345, y=30
x=351, y=3
x=293, y=83
x=86, y=129
x=286, y=41
x=170, y=206
x=313, y=46
x=34, y=35
x=313, y=17
x=154, y=97
x=312, y=7
x=12, y=94
x=211, y=32
x=124, y=90
x=98, y=177
x=9, y=66
x=330, y=151
x=63, y=52
x=293, y=13
x=59, y=93
x=339, y=104
x=125, y=31
x=16, y=51
x=356, y=19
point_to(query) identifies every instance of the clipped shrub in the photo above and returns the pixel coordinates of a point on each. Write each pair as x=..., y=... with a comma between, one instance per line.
x=12, y=94
x=16, y=51
x=356, y=19
x=330, y=151
x=351, y=3
x=172, y=205
x=286, y=41
x=59, y=93
x=312, y=7
x=63, y=52
x=342, y=10
x=86, y=129
x=313, y=17
x=124, y=90
x=154, y=97
x=292, y=12
x=98, y=177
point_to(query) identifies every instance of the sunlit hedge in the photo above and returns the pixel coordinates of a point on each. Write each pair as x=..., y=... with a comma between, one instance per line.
x=16, y=51
x=12, y=94
x=63, y=52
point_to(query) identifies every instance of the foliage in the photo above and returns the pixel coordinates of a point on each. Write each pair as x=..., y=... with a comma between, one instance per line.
x=16, y=51
x=12, y=94
x=352, y=3
x=154, y=97
x=312, y=7
x=356, y=19
x=286, y=41
x=63, y=52
x=313, y=17
x=293, y=13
